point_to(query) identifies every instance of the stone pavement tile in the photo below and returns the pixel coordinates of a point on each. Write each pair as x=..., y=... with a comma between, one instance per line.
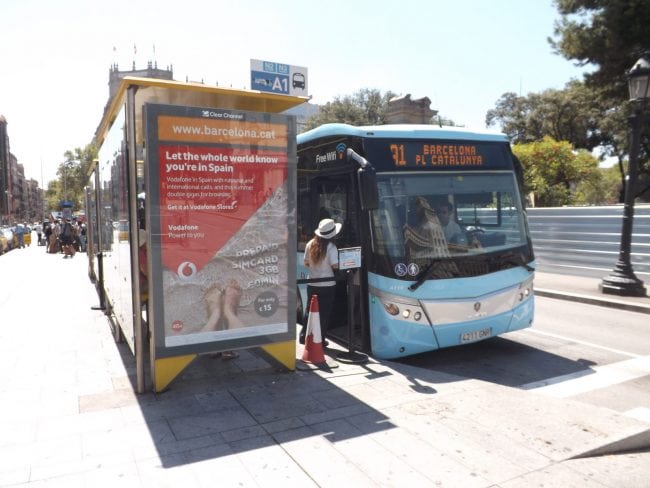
x=335, y=398
x=269, y=463
x=16, y=432
x=375, y=460
x=215, y=400
x=49, y=451
x=55, y=461
x=14, y=458
x=221, y=468
x=117, y=397
x=424, y=381
x=249, y=432
x=54, y=470
x=170, y=471
x=267, y=407
x=210, y=423
x=336, y=413
x=80, y=423
x=282, y=425
x=133, y=439
x=483, y=452
x=429, y=456
x=14, y=475
x=561, y=475
x=383, y=394
x=556, y=428
x=53, y=404
x=631, y=470
x=320, y=460
x=494, y=455
x=142, y=436
x=177, y=446
x=76, y=480
x=170, y=407
x=123, y=476
x=20, y=405
x=151, y=408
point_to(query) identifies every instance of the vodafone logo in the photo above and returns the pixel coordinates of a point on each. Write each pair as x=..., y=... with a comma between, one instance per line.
x=186, y=270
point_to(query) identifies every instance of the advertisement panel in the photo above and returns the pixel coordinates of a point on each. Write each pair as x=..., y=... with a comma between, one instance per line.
x=221, y=222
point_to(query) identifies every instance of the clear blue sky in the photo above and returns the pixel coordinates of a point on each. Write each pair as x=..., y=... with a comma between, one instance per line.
x=55, y=56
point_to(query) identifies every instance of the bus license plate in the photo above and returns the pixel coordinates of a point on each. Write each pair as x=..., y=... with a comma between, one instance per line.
x=476, y=335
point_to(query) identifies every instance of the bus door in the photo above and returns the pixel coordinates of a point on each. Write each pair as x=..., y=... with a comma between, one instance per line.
x=333, y=196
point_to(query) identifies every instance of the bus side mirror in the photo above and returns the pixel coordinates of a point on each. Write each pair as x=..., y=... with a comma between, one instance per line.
x=368, y=195
x=367, y=179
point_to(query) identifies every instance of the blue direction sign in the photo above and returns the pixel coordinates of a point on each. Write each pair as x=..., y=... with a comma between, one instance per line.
x=272, y=77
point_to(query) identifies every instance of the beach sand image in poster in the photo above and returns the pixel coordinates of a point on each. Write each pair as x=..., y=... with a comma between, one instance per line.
x=241, y=291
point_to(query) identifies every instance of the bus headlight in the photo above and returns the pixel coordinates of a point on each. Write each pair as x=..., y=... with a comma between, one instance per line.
x=391, y=308
x=525, y=290
x=409, y=312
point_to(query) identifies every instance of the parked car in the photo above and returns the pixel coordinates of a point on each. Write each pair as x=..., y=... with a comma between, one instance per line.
x=6, y=240
x=4, y=244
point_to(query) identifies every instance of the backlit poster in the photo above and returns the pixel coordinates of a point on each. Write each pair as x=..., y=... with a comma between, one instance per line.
x=221, y=218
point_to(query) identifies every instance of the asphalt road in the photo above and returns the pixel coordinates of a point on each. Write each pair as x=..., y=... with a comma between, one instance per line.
x=568, y=344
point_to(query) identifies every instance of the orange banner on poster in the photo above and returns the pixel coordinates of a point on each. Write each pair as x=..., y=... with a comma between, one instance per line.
x=233, y=132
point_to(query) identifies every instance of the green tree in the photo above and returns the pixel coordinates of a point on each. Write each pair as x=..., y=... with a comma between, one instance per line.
x=553, y=170
x=602, y=187
x=609, y=35
x=73, y=177
x=572, y=114
x=365, y=107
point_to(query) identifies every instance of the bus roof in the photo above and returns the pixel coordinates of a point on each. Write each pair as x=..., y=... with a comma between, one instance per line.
x=404, y=131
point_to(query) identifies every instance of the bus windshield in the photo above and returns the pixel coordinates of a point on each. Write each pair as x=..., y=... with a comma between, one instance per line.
x=468, y=223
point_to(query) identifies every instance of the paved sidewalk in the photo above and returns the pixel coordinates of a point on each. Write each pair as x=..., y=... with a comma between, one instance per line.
x=70, y=416
x=585, y=290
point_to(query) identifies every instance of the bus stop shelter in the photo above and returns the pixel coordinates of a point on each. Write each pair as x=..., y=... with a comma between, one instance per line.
x=191, y=220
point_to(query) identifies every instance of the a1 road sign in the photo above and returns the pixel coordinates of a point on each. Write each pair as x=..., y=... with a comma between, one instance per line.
x=268, y=76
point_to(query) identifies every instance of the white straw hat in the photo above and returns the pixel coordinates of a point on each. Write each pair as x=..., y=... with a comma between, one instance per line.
x=327, y=228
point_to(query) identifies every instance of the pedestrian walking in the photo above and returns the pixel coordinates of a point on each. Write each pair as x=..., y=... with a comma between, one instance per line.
x=39, y=233
x=82, y=237
x=19, y=232
x=67, y=238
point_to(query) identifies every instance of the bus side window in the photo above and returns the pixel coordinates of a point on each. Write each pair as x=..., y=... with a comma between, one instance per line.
x=305, y=230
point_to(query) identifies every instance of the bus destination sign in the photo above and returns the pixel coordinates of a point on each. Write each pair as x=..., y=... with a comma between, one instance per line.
x=437, y=154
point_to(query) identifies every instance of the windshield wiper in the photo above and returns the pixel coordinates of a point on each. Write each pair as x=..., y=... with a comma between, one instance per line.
x=428, y=272
x=517, y=259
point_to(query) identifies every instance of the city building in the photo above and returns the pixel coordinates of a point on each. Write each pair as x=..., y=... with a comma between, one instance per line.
x=21, y=200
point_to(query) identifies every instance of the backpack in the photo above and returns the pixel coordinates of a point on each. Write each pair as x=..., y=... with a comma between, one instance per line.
x=67, y=230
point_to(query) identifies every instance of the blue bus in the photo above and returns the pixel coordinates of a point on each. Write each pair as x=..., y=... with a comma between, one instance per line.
x=439, y=217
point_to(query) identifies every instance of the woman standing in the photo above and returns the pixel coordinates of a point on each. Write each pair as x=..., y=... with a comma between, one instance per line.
x=321, y=257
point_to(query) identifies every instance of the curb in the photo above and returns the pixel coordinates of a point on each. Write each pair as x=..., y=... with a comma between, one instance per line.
x=620, y=304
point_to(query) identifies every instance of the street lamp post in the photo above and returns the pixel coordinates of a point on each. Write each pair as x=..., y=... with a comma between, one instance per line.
x=66, y=165
x=622, y=280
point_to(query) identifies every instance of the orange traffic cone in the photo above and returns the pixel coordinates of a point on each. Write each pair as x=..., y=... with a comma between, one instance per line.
x=313, y=352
